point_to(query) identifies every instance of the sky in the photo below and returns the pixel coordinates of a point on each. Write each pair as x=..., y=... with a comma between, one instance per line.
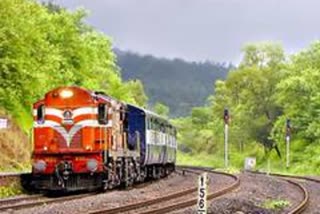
x=199, y=30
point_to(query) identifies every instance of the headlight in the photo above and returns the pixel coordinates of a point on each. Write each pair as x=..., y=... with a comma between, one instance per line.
x=40, y=165
x=92, y=165
x=66, y=93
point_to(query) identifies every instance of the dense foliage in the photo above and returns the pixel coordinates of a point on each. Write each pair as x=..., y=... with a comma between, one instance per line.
x=45, y=46
x=267, y=88
x=178, y=84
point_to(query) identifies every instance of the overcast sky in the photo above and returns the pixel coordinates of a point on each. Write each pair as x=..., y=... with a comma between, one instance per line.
x=198, y=30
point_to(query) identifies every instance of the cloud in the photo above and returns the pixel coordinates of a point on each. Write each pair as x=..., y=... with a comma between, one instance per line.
x=200, y=30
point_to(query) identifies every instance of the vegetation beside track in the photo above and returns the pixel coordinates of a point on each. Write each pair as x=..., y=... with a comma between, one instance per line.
x=11, y=188
x=266, y=89
x=276, y=204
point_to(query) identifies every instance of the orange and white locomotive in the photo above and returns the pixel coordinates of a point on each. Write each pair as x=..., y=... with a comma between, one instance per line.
x=88, y=140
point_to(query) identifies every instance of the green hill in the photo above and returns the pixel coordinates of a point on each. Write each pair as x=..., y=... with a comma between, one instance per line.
x=178, y=84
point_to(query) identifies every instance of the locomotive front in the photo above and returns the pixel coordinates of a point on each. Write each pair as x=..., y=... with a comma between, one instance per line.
x=71, y=131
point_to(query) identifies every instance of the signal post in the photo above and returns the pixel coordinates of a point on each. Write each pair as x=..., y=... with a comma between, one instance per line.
x=226, y=118
x=287, y=138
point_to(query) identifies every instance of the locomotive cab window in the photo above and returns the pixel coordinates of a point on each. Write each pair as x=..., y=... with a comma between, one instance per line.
x=40, y=114
x=102, y=113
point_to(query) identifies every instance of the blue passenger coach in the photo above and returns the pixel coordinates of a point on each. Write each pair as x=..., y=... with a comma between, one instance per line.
x=156, y=135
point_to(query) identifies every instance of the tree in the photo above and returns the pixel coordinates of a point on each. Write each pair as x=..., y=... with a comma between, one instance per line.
x=48, y=46
x=136, y=90
x=249, y=93
x=161, y=109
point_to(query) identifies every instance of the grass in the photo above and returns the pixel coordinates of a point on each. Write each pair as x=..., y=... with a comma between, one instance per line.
x=304, y=159
x=13, y=189
x=276, y=204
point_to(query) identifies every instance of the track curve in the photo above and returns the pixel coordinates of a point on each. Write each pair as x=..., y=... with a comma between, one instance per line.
x=289, y=178
x=177, y=195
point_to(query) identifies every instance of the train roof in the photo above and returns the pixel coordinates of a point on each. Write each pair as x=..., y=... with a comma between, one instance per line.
x=149, y=113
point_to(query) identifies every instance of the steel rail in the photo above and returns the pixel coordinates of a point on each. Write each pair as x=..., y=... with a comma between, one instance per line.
x=14, y=203
x=6, y=201
x=43, y=202
x=191, y=202
x=172, y=196
x=304, y=203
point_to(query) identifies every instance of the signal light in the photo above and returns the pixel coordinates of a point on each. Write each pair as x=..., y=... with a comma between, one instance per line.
x=288, y=127
x=288, y=123
x=226, y=116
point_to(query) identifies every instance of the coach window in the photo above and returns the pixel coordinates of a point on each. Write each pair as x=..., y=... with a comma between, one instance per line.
x=147, y=123
x=162, y=128
x=102, y=113
x=154, y=125
x=150, y=123
x=40, y=114
x=158, y=126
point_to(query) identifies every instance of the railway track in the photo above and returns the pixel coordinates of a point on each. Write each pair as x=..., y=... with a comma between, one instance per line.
x=29, y=201
x=178, y=203
x=290, y=178
x=9, y=201
x=37, y=200
x=304, y=203
x=174, y=201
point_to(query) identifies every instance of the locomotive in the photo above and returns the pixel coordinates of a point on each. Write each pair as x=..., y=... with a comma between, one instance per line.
x=87, y=140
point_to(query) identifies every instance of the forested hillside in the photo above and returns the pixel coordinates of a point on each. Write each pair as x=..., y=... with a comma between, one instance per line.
x=176, y=83
x=266, y=89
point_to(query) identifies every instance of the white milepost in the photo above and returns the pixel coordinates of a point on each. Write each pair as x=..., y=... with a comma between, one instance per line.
x=250, y=163
x=3, y=123
x=202, y=194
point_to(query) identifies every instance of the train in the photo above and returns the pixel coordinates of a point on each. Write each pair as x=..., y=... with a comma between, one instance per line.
x=87, y=140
